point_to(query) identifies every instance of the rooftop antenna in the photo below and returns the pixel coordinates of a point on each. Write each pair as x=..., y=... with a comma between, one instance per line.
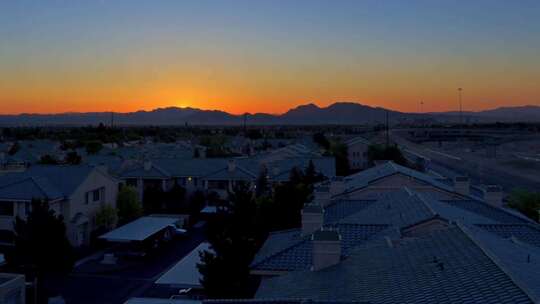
x=460, y=106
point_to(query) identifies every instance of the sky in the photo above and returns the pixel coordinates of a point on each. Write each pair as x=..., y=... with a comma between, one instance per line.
x=267, y=56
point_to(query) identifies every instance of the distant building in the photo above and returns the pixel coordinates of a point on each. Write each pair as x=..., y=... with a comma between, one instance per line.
x=357, y=149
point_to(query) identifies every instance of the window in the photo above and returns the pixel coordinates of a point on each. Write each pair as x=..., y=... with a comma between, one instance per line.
x=97, y=195
x=7, y=209
x=27, y=208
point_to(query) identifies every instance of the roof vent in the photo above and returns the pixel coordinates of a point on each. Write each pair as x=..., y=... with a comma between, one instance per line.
x=326, y=248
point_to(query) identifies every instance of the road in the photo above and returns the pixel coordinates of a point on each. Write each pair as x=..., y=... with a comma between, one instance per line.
x=118, y=286
x=453, y=165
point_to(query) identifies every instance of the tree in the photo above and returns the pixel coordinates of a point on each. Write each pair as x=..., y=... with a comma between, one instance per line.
x=320, y=139
x=106, y=217
x=393, y=153
x=261, y=184
x=225, y=268
x=48, y=160
x=196, y=202
x=311, y=176
x=175, y=200
x=153, y=199
x=41, y=242
x=73, y=158
x=526, y=202
x=93, y=147
x=340, y=151
x=129, y=207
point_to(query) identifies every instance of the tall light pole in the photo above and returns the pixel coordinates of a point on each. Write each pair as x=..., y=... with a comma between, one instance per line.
x=460, y=106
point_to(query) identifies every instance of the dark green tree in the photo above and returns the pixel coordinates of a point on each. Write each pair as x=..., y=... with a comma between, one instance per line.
x=380, y=152
x=262, y=184
x=225, y=268
x=526, y=202
x=340, y=152
x=128, y=204
x=41, y=243
x=73, y=158
x=320, y=139
x=93, y=147
x=48, y=160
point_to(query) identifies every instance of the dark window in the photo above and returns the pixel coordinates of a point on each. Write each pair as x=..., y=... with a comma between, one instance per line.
x=7, y=208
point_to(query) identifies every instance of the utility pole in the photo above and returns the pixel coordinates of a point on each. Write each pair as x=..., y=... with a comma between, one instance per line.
x=112, y=120
x=245, y=124
x=387, y=130
x=460, y=106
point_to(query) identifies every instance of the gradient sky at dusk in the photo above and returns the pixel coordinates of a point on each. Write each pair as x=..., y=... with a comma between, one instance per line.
x=267, y=56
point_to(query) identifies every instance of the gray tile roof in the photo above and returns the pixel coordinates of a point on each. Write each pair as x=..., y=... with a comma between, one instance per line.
x=527, y=233
x=368, y=176
x=49, y=180
x=519, y=260
x=444, y=267
x=487, y=211
x=294, y=252
x=278, y=301
x=397, y=208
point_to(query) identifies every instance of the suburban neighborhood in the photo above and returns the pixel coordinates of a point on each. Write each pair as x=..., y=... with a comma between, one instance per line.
x=321, y=216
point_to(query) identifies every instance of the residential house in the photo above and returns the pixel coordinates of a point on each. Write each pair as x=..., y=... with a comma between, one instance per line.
x=75, y=192
x=390, y=234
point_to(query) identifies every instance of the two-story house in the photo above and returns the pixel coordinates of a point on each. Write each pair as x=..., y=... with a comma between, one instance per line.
x=75, y=192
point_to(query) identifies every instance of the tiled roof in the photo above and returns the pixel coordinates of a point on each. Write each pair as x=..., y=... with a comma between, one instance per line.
x=365, y=177
x=444, y=267
x=295, y=252
x=527, y=233
x=278, y=301
x=52, y=180
x=29, y=188
x=343, y=208
x=519, y=260
x=398, y=208
x=488, y=211
x=238, y=173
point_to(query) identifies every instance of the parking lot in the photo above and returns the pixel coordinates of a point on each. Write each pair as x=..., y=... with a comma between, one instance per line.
x=92, y=282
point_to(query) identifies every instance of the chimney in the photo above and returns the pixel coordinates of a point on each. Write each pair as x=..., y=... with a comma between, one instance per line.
x=147, y=165
x=231, y=165
x=337, y=185
x=322, y=196
x=326, y=249
x=312, y=218
x=493, y=195
x=462, y=185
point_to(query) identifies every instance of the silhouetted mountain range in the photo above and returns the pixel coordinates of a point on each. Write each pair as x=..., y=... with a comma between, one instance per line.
x=338, y=113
